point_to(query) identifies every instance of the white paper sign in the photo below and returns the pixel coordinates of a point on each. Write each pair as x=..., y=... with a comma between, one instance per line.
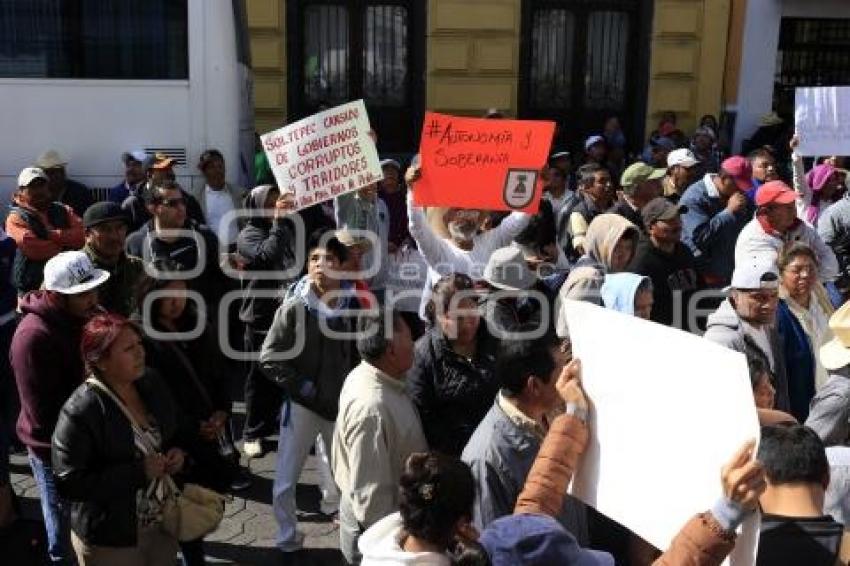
x=822, y=120
x=669, y=409
x=324, y=155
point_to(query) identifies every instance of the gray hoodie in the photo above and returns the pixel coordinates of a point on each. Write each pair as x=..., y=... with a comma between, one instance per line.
x=726, y=328
x=829, y=415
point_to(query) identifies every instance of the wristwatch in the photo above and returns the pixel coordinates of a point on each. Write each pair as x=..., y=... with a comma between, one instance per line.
x=576, y=411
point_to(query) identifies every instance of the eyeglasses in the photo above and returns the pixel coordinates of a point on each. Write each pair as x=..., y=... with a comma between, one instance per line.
x=173, y=202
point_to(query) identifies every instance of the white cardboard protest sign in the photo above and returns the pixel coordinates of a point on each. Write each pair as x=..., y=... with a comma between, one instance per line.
x=669, y=409
x=324, y=155
x=822, y=120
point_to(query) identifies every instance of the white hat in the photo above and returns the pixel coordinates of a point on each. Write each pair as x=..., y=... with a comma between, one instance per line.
x=135, y=155
x=30, y=174
x=684, y=157
x=835, y=354
x=593, y=140
x=755, y=273
x=506, y=269
x=50, y=159
x=72, y=273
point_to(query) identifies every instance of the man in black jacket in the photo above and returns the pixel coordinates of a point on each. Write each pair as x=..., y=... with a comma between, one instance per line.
x=169, y=234
x=666, y=261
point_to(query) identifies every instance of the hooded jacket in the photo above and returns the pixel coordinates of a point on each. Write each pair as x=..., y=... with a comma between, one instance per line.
x=585, y=280
x=301, y=357
x=619, y=290
x=46, y=361
x=726, y=328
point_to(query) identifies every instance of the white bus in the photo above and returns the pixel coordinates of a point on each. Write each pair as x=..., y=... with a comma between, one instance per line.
x=94, y=78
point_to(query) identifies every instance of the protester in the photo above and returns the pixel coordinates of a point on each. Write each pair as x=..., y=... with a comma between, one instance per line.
x=803, y=322
x=171, y=235
x=62, y=189
x=667, y=262
x=776, y=225
x=518, y=298
x=704, y=147
x=834, y=229
x=40, y=227
x=219, y=199
x=394, y=195
x=593, y=198
x=361, y=213
x=539, y=246
x=104, y=461
x=452, y=380
x=106, y=230
x=467, y=250
x=268, y=247
x=376, y=430
x=764, y=394
x=611, y=242
x=656, y=151
x=433, y=524
x=134, y=176
x=311, y=367
x=829, y=415
x=794, y=529
x=595, y=150
x=502, y=449
x=763, y=163
x=563, y=161
x=556, y=192
x=816, y=190
x=744, y=322
x=45, y=358
x=158, y=170
x=717, y=211
x=629, y=294
x=193, y=369
x=681, y=173
x=639, y=184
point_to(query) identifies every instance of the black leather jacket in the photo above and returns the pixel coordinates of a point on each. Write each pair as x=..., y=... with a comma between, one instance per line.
x=97, y=466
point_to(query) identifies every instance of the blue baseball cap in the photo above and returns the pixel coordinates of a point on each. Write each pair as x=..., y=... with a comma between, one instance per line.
x=536, y=540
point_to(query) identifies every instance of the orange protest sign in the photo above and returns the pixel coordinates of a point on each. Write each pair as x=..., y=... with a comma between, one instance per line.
x=482, y=164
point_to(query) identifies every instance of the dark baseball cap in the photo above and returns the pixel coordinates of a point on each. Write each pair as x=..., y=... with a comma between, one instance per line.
x=101, y=212
x=660, y=208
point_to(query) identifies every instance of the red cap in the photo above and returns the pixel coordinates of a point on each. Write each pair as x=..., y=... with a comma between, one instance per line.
x=775, y=192
x=740, y=170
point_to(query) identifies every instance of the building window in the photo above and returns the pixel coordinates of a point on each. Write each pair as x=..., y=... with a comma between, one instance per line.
x=607, y=53
x=94, y=39
x=552, y=60
x=812, y=52
x=385, y=55
x=326, y=54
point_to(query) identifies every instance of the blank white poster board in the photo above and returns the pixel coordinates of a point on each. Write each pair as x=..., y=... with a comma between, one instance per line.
x=668, y=410
x=822, y=120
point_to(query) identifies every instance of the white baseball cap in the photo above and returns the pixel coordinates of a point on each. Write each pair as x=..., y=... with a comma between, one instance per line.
x=593, y=140
x=684, y=157
x=72, y=273
x=29, y=175
x=755, y=273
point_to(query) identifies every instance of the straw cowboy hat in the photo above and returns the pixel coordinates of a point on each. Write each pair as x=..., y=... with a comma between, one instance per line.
x=835, y=354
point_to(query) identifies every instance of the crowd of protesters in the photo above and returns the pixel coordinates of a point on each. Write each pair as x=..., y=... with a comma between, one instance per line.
x=446, y=428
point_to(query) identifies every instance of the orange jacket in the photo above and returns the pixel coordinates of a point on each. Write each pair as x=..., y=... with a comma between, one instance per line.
x=59, y=239
x=701, y=542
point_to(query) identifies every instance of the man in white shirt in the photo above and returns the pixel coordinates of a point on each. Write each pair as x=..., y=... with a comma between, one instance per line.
x=376, y=429
x=466, y=250
x=218, y=198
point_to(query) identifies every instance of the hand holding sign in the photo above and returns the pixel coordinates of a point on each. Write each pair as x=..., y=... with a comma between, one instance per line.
x=482, y=164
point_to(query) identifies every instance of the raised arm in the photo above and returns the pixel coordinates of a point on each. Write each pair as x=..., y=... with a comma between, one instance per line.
x=434, y=248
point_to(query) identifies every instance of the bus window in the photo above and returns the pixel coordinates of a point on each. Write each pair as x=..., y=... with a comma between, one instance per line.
x=83, y=39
